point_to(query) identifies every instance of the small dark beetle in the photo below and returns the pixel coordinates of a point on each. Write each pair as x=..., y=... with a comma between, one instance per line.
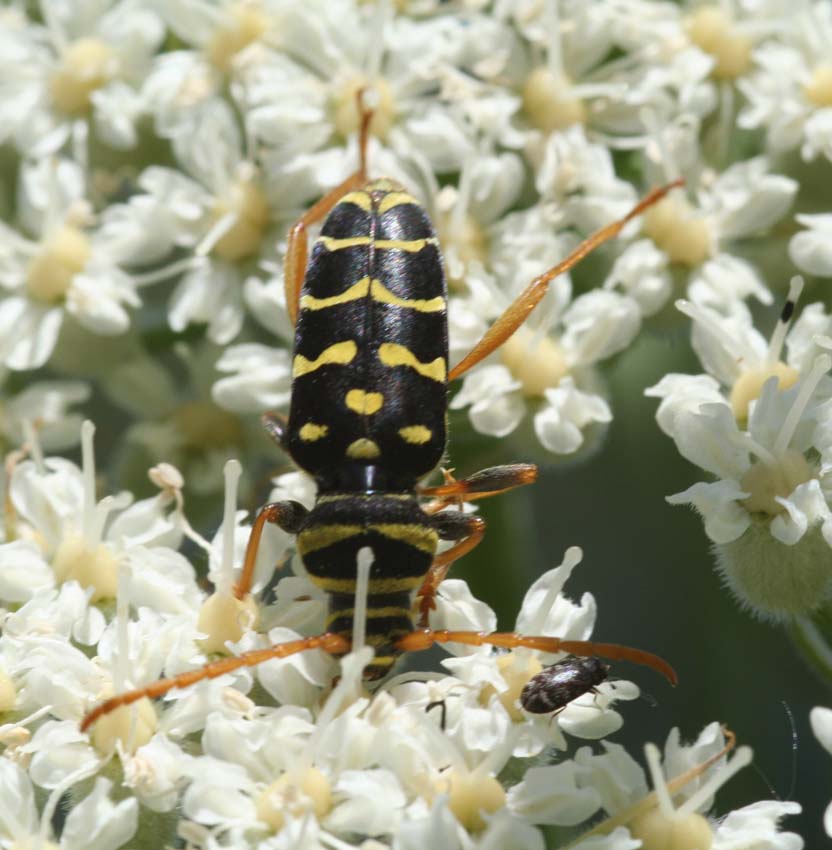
x=552, y=689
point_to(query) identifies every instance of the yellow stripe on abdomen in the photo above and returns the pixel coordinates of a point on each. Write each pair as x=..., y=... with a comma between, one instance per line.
x=372, y=613
x=377, y=586
x=321, y=536
x=418, y=536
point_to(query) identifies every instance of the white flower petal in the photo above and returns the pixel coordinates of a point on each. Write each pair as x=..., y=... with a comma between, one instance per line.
x=96, y=823
x=680, y=393
x=568, y=410
x=724, y=519
x=18, y=810
x=756, y=826
x=811, y=249
x=710, y=438
x=726, y=279
x=551, y=795
x=598, y=325
x=23, y=571
x=371, y=802
x=28, y=332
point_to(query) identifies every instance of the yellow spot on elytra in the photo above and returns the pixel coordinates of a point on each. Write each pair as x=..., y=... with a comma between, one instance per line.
x=364, y=403
x=393, y=354
x=363, y=449
x=310, y=432
x=332, y=243
x=395, y=199
x=338, y=354
x=410, y=245
x=424, y=305
x=321, y=536
x=417, y=435
x=360, y=199
x=356, y=291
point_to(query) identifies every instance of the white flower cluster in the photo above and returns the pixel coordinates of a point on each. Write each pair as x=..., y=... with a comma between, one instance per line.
x=97, y=598
x=153, y=157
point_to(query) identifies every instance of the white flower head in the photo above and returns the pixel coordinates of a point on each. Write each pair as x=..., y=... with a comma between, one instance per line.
x=63, y=265
x=84, y=66
x=694, y=240
x=548, y=370
x=685, y=783
x=768, y=481
x=790, y=94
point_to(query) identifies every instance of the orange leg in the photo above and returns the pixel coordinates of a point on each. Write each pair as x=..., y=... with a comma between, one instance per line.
x=474, y=529
x=480, y=485
x=286, y=515
x=328, y=642
x=518, y=311
x=425, y=638
x=294, y=266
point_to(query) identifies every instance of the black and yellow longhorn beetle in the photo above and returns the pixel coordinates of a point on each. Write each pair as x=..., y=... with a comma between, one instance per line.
x=368, y=421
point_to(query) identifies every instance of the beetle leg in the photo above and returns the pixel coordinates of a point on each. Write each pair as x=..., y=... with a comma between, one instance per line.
x=425, y=638
x=518, y=311
x=286, y=515
x=480, y=485
x=468, y=530
x=297, y=248
x=329, y=642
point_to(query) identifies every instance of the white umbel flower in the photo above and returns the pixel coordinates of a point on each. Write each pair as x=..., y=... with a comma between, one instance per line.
x=84, y=65
x=62, y=263
x=694, y=240
x=790, y=95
